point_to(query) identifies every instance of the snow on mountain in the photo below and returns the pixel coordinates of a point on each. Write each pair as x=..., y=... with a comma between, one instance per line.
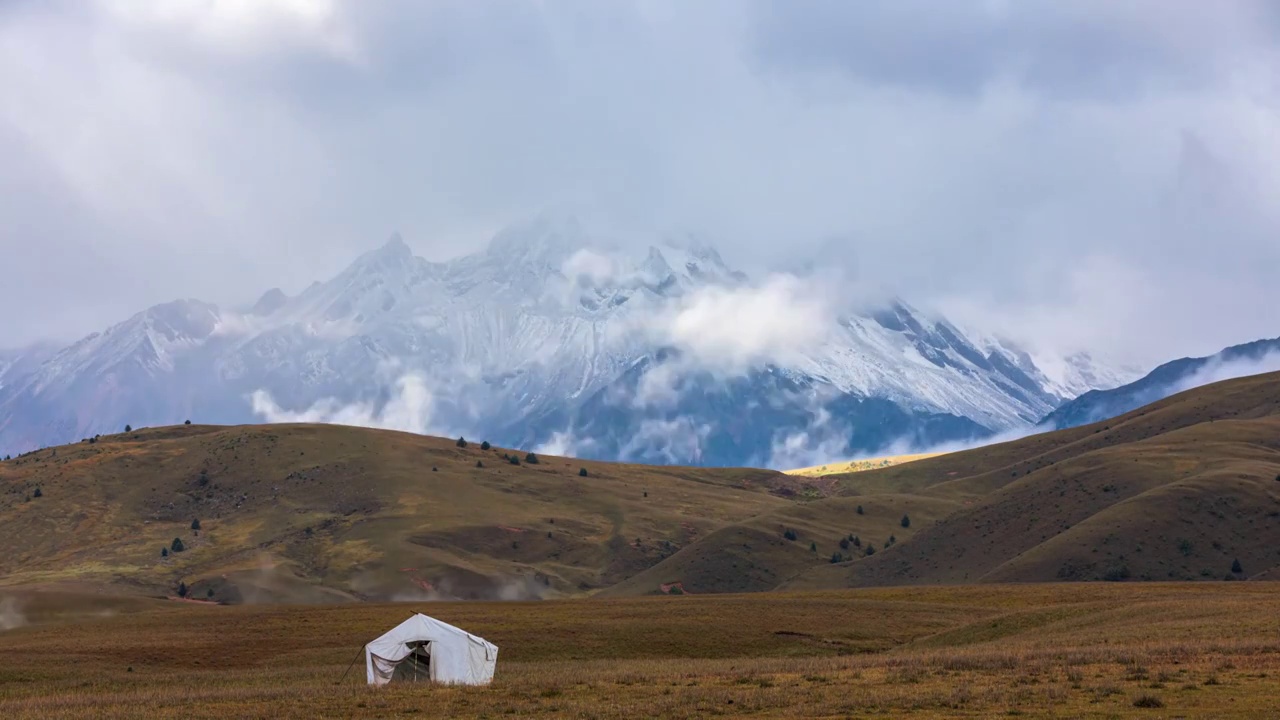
x=550, y=330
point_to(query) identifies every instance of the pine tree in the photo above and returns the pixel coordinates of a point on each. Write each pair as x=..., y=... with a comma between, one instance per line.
x=582, y=472
x=128, y=428
x=462, y=442
x=485, y=445
x=38, y=493
x=177, y=545
x=860, y=510
x=195, y=524
x=182, y=589
x=531, y=459
x=906, y=521
x=1236, y=567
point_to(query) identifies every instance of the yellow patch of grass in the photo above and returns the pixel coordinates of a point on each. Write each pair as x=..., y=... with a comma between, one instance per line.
x=852, y=466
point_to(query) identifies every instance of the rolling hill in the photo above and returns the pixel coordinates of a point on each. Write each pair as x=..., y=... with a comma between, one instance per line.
x=1185, y=489
x=312, y=513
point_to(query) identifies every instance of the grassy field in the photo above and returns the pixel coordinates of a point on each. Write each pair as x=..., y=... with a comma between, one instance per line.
x=1202, y=650
x=852, y=466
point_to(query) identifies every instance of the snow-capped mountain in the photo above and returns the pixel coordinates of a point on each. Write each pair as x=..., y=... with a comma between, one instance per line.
x=553, y=336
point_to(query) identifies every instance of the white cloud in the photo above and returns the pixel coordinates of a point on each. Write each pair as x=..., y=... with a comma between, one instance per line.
x=733, y=329
x=676, y=441
x=409, y=409
x=589, y=267
x=1011, y=160
x=240, y=26
x=1218, y=370
x=823, y=441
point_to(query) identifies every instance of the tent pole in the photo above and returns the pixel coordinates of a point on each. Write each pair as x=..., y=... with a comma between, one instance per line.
x=353, y=664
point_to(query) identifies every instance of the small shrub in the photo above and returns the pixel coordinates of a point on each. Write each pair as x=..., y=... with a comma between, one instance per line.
x=1185, y=547
x=462, y=442
x=1117, y=574
x=677, y=590
x=893, y=540
x=209, y=593
x=93, y=441
x=40, y=493
x=813, y=547
x=836, y=557
x=582, y=472
x=128, y=428
x=646, y=493
x=531, y=459
x=1235, y=564
x=485, y=445
x=188, y=422
x=859, y=510
x=857, y=541
x=177, y=545
x=790, y=534
x=195, y=524
x=906, y=521
x=871, y=549
x=182, y=589
x=513, y=459
x=1148, y=701
x=548, y=534
x=844, y=543
x=164, y=552
x=479, y=464
x=435, y=469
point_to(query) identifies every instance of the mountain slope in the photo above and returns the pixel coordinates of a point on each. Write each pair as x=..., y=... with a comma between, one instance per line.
x=1177, y=490
x=555, y=335
x=1099, y=404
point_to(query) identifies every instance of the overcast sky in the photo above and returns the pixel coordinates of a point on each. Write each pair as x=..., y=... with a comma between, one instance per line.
x=1089, y=174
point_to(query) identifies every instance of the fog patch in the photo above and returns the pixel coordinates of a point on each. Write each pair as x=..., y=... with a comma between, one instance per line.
x=12, y=616
x=410, y=409
x=1217, y=370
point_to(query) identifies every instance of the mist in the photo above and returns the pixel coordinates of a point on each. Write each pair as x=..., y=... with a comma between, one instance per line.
x=1217, y=370
x=12, y=616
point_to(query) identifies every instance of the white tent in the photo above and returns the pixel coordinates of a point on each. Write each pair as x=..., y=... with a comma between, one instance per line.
x=423, y=648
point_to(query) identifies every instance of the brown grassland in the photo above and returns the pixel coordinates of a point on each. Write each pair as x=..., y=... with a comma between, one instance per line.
x=1154, y=650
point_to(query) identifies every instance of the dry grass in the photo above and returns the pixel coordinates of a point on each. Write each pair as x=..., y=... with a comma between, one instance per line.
x=1092, y=651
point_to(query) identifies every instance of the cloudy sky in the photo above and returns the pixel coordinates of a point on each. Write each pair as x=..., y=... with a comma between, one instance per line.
x=1093, y=174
